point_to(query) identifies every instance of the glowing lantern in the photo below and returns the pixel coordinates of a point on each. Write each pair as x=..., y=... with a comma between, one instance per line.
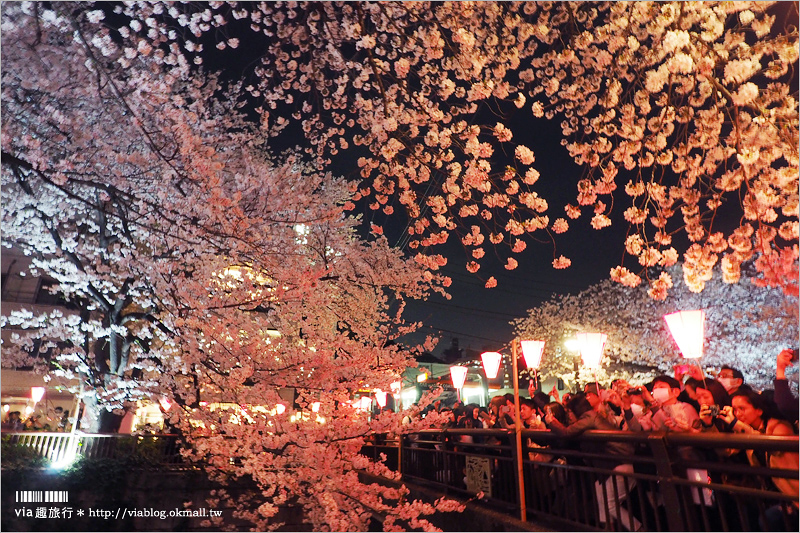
x=532, y=352
x=165, y=403
x=315, y=407
x=396, y=386
x=458, y=374
x=37, y=393
x=380, y=397
x=591, y=348
x=364, y=403
x=686, y=328
x=280, y=408
x=491, y=364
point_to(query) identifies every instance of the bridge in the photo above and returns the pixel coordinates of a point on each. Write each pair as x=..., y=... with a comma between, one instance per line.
x=670, y=481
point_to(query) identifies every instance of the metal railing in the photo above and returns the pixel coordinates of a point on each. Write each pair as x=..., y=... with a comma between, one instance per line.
x=668, y=481
x=157, y=450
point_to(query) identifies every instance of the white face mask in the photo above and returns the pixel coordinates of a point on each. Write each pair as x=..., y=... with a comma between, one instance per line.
x=637, y=409
x=661, y=395
x=728, y=383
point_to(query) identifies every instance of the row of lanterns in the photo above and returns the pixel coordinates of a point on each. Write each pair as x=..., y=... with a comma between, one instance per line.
x=686, y=328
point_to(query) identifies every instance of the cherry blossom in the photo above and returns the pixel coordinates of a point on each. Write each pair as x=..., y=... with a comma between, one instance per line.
x=200, y=268
x=745, y=327
x=692, y=100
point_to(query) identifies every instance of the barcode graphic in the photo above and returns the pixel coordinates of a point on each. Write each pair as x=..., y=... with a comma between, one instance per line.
x=42, y=496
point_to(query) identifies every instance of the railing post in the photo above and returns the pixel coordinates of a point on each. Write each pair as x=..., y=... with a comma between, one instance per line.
x=666, y=481
x=400, y=440
x=523, y=511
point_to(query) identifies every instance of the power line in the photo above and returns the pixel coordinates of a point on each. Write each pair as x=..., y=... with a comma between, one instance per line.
x=473, y=309
x=462, y=334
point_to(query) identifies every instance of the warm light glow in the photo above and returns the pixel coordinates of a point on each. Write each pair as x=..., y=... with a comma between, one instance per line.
x=380, y=397
x=6, y=408
x=572, y=345
x=280, y=408
x=408, y=397
x=315, y=407
x=591, y=348
x=491, y=363
x=37, y=393
x=458, y=374
x=165, y=403
x=532, y=352
x=473, y=392
x=422, y=377
x=396, y=386
x=364, y=403
x=28, y=410
x=687, y=330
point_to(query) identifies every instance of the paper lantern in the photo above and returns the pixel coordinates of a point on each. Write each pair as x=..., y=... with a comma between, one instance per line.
x=37, y=393
x=591, y=346
x=686, y=328
x=165, y=403
x=380, y=397
x=458, y=374
x=491, y=363
x=532, y=352
x=364, y=403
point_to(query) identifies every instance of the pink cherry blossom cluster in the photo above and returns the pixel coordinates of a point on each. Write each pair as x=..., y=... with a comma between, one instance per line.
x=693, y=98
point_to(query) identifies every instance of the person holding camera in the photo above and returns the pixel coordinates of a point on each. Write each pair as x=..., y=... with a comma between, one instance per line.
x=712, y=397
x=669, y=414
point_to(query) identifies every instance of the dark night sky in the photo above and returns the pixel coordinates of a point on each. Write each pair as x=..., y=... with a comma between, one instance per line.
x=480, y=317
x=477, y=316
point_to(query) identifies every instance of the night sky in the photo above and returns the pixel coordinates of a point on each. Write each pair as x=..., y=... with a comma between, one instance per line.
x=479, y=317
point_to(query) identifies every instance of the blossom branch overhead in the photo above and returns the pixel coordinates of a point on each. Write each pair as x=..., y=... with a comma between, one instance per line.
x=690, y=109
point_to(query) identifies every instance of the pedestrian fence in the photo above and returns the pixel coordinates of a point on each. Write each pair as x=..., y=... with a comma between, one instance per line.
x=155, y=450
x=669, y=481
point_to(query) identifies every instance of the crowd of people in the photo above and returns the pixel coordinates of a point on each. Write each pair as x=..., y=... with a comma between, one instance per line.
x=686, y=402
x=57, y=420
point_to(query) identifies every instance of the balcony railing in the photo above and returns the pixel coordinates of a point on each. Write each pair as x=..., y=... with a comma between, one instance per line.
x=671, y=481
x=156, y=450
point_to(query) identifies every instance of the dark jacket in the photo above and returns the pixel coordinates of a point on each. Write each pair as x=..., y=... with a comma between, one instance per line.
x=620, y=451
x=785, y=400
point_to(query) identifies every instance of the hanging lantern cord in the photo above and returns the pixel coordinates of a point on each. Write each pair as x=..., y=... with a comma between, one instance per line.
x=697, y=362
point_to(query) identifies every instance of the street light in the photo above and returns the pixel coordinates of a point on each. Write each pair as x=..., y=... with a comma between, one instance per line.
x=686, y=328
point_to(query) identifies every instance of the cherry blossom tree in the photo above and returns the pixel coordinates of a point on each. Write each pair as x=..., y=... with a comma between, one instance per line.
x=203, y=270
x=689, y=108
x=745, y=327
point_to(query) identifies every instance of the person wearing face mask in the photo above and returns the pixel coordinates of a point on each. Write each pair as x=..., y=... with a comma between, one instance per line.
x=669, y=414
x=732, y=379
x=635, y=415
x=640, y=411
